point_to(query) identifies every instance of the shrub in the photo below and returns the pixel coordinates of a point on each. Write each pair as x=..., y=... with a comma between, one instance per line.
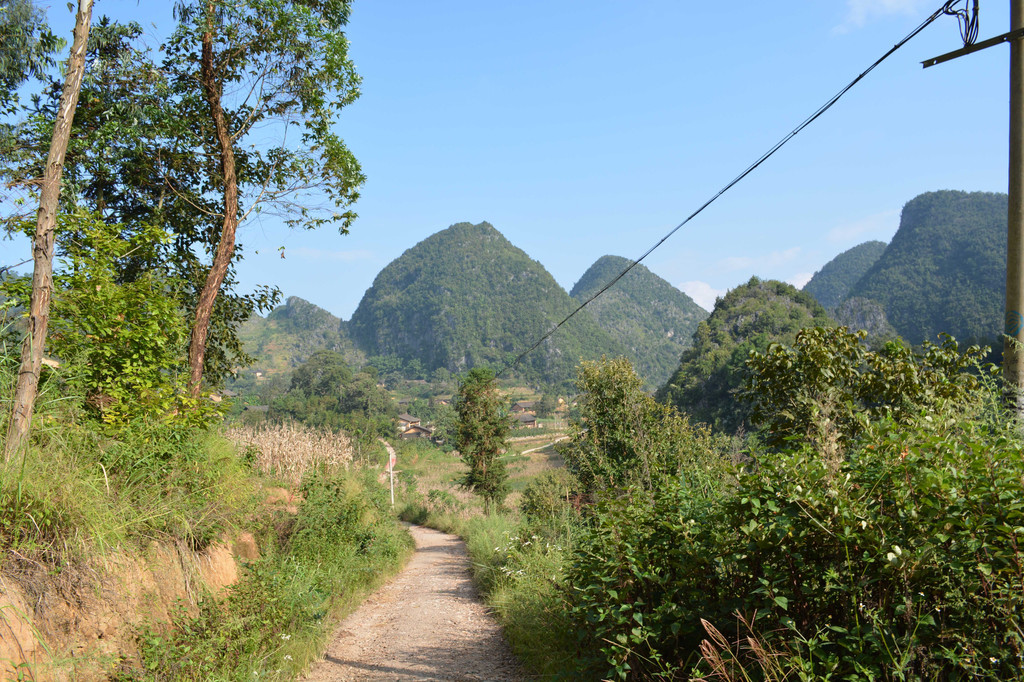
x=902, y=564
x=549, y=494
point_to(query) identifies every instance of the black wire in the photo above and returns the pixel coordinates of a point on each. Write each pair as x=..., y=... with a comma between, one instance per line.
x=946, y=8
x=968, y=21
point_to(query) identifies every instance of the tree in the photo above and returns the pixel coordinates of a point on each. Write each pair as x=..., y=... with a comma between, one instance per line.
x=622, y=437
x=239, y=66
x=42, y=246
x=481, y=435
x=26, y=49
x=824, y=389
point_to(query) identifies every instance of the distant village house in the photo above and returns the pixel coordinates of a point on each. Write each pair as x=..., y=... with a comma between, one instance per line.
x=523, y=406
x=416, y=431
x=526, y=420
x=407, y=420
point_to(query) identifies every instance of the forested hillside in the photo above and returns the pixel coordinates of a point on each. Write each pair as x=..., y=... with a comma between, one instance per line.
x=291, y=333
x=652, y=319
x=750, y=317
x=466, y=297
x=832, y=283
x=945, y=268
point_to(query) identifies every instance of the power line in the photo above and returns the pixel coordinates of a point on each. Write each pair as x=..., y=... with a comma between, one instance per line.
x=968, y=32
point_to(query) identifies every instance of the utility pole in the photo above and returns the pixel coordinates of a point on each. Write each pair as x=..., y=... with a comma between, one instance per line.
x=1013, y=344
x=1013, y=350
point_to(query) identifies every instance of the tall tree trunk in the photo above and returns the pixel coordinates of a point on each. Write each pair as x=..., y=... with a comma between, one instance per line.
x=42, y=245
x=213, y=89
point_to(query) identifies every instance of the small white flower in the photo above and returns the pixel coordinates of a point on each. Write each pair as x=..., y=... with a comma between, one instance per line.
x=285, y=637
x=287, y=657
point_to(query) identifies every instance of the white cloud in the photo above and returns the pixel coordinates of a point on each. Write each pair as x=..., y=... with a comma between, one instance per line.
x=334, y=256
x=860, y=12
x=878, y=226
x=800, y=279
x=702, y=293
x=773, y=259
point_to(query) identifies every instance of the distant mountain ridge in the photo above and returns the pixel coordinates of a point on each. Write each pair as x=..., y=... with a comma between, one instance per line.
x=465, y=297
x=291, y=333
x=945, y=269
x=652, y=319
x=831, y=285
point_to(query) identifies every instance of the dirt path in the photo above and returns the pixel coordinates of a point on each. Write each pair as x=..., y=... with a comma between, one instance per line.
x=426, y=624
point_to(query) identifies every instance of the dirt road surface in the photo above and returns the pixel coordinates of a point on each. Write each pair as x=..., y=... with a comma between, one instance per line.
x=426, y=624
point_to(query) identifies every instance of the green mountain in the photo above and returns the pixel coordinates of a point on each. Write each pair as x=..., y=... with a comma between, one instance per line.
x=291, y=333
x=466, y=297
x=945, y=268
x=832, y=283
x=650, y=317
x=750, y=317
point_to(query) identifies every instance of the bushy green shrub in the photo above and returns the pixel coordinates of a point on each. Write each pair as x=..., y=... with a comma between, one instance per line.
x=552, y=492
x=903, y=563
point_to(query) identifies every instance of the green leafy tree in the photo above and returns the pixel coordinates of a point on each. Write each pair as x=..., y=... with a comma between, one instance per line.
x=826, y=387
x=325, y=392
x=289, y=62
x=132, y=160
x=545, y=407
x=125, y=343
x=622, y=437
x=481, y=435
x=27, y=47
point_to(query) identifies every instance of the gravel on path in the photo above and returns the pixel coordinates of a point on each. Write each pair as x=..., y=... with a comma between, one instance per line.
x=426, y=624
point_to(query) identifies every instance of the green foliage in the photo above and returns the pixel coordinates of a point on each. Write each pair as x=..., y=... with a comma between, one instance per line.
x=831, y=285
x=551, y=493
x=27, y=47
x=652, y=319
x=901, y=565
x=899, y=561
x=944, y=269
x=826, y=387
x=465, y=297
x=481, y=436
x=132, y=161
x=622, y=437
x=748, y=318
x=325, y=392
x=124, y=344
x=275, y=618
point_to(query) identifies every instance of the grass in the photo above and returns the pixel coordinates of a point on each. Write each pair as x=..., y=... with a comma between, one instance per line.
x=85, y=498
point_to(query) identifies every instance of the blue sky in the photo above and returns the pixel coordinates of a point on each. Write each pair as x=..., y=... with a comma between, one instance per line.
x=580, y=129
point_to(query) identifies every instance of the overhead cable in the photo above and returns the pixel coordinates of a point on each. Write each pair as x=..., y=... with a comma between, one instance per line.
x=968, y=24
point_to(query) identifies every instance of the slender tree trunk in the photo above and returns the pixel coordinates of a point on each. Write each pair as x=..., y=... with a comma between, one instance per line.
x=213, y=89
x=42, y=245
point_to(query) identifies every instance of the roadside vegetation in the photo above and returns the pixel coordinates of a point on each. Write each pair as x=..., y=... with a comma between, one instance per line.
x=868, y=529
x=89, y=496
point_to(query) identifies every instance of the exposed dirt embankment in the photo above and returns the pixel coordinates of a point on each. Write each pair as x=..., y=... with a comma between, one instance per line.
x=76, y=622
